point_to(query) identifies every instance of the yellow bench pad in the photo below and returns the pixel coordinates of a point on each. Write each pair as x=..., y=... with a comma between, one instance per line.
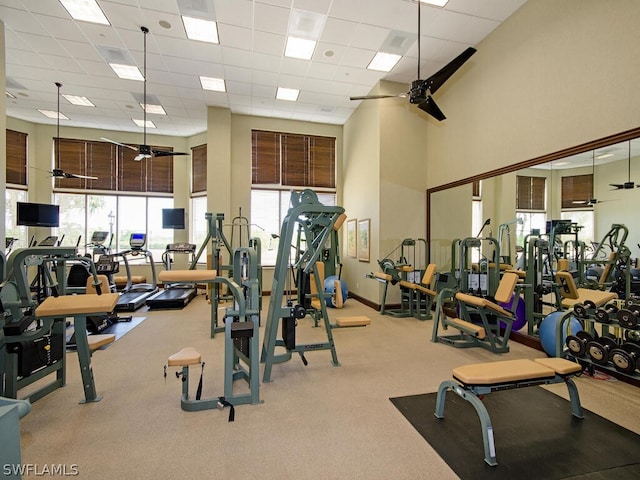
x=356, y=321
x=465, y=326
x=97, y=341
x=492, y=373
x=187, y=275
x=186, y=356
x=68, y=305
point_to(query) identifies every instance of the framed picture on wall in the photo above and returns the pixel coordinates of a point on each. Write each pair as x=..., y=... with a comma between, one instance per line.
x=363, y=239
x=351, y=238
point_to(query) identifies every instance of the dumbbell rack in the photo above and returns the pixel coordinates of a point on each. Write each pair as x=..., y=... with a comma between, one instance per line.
x=624, y=320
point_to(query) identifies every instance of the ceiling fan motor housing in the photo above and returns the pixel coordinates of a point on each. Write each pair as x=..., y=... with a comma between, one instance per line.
x=418, y=92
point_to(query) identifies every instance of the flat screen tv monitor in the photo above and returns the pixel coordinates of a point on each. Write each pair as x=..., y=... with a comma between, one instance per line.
x=38, y=214
x=173, y=218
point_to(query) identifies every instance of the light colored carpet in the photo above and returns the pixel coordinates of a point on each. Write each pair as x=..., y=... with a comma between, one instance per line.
x=316, y=422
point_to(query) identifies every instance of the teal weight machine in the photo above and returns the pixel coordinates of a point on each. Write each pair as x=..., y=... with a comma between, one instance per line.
x=241, y=346
x=314, y=221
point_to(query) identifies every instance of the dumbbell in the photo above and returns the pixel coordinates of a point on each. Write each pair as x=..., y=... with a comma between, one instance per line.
x=632, y=336
x=581, y=310
x=628, y=316
x=626, y=358
x=577, y=344
x=599, y=350
x=604, y=314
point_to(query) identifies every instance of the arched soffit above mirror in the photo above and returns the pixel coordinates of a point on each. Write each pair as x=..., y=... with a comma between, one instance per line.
x=576, y=151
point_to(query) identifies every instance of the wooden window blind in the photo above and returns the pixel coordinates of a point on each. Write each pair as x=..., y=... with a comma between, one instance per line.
x=576, y=190
x=199, y=168
x=16, y=153
x=530, y=193
x=293, y=160
x=114, y=167
x=475, y=187
x=265, y=157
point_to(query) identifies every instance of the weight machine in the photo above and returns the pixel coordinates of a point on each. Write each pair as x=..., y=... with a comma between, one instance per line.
x=313, y=221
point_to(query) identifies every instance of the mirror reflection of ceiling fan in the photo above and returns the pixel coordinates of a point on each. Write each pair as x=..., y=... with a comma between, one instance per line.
x=421, y=90
x=590, y=201
x=58, y=172
x=628, y=185
x=144, y=150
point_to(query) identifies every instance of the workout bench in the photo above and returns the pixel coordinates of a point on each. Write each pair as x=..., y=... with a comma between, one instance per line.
x=473, y=381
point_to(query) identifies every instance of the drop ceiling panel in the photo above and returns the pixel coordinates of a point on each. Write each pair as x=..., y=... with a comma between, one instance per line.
x=43, y=45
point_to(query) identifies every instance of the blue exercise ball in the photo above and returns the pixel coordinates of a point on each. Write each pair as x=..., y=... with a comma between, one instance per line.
x=329, y=287
x=547, y=331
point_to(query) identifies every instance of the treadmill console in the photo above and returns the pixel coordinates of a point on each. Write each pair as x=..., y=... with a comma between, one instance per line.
x=50, y=241
x=181, y=247
x=137, y=241
x=107, y=264
x=98, y=238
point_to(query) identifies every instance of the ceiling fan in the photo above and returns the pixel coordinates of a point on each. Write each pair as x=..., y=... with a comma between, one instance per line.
x=421, y=90
x=144, y=150
x=58, y=172
x=628, y=185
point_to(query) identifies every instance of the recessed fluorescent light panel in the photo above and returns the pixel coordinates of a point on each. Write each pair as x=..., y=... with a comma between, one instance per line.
x=299, y=48
x=75, y=100
x=142, y=123
x=85, y=10
x=604, y=155
x=200, y=29
x=384, y=62
x=155, y=109
x=52, y=114
x=436, y=3
x=290, y=94
x=127, y=72
x=215, y=84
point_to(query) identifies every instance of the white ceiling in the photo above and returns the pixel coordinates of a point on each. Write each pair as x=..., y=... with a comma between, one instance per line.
x=45, y=45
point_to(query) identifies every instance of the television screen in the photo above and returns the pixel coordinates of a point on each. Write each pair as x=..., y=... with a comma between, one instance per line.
x=38, y=214
x=173, y=218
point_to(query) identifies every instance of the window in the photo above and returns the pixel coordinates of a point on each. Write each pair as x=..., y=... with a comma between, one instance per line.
x=280, y=162
x=12, y=230
x=16, y=174
x=268, y=210
x=199, y=224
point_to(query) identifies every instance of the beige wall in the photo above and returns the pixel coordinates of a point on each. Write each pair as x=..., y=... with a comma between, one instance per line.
x=3, y=126
x=554, y=75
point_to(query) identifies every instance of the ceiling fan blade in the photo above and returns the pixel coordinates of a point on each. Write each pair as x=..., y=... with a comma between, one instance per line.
x=165, y=153
x=142, y=156
x=118, y=143
x=429, y=106
x=436, y=80
x=374, y=97
x=83, y=176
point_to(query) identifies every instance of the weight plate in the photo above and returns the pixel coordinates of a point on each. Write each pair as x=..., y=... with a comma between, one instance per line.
x=622, y=361
x=626, y=318
x=632, y=335
x=580, y=310
x=597, y=353
x=611, y=308
x=589, y=304
x=576, y=346
x=608, y=343
x=602, y=316
x=632, y=349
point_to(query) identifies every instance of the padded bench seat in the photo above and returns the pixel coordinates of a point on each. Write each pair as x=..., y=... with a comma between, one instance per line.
x=121, y=280
x=476, y=380
x=170, y=276
x=70, y=305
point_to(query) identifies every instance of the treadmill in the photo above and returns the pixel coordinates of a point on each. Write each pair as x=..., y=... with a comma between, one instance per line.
x=134, y=296
x=176, y=295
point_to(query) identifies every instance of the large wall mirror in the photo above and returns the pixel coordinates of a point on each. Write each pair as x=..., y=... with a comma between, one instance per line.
x=459, y=210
